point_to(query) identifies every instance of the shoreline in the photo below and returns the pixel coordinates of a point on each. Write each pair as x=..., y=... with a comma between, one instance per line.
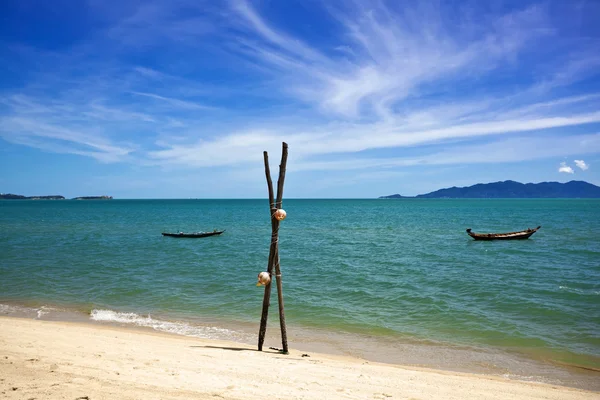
x=67, y=359
x=480, y=361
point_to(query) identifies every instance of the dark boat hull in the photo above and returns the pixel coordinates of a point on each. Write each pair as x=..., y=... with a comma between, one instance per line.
x=520, y=235
x=192, y=235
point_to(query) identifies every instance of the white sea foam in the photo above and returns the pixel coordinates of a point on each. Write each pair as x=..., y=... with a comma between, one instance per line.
x=43, y=311
x=526, y=378
x=578, y=291
x=16, y=310
x=180, y=328
x=7, y=309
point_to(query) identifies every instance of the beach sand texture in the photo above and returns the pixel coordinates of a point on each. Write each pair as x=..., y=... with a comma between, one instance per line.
x=62, y=360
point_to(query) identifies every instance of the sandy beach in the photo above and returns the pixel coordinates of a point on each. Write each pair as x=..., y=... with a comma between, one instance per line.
x=63, y=360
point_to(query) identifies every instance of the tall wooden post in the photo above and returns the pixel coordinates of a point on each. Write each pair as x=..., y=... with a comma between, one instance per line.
x=273, y=262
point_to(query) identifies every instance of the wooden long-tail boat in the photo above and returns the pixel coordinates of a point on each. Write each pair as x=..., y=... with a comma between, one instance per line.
x=503, y=236
x=193, y=234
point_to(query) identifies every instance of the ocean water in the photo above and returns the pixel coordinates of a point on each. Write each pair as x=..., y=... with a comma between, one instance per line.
x=389, y=280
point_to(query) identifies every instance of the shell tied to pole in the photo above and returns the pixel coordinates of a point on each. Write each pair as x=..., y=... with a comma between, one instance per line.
x=280, y=214
x=264, y=278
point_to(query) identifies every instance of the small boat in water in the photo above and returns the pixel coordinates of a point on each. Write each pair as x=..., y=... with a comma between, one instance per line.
x=193, y=234
x=503, y=236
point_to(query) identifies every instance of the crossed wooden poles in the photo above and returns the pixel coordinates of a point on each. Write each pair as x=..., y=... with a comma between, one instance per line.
x=274, y=205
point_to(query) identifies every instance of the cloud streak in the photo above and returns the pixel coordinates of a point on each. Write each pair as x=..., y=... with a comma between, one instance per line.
x=182, y=104
x=391, y=58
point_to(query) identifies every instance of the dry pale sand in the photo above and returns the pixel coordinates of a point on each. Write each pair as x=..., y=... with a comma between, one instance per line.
x=61, y=360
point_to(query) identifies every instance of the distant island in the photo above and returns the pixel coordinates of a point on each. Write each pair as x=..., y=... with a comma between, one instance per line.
x=512, y=190
x=10, y=196
x=93, y=198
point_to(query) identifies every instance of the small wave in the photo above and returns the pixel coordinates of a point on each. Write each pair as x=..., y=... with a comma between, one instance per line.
x=578, y=291
x=526, y=378
x=24, y=311
x=6, y=309
x=43, y=311
x=180, y=328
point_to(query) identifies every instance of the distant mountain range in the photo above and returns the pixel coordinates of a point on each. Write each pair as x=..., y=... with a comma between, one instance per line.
x=511, y=190
x=10, y=196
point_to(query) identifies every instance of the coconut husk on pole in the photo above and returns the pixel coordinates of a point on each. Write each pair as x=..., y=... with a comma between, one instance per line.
x=277, y=215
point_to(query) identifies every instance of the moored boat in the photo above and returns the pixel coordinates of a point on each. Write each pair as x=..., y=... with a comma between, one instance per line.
x=193, y=234
x=503, y=236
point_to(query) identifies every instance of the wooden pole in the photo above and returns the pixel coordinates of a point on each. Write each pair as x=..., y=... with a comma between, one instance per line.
x=274, y=251
x=280, y=181
x=267, y=294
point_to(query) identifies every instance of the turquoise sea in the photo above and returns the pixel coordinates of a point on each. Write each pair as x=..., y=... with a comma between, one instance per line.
x=387, y=280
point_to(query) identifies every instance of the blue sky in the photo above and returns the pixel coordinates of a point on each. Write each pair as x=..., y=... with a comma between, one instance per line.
x=179, y=98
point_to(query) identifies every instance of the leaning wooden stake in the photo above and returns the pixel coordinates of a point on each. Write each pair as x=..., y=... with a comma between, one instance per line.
x=273, y=262
x=280, y=181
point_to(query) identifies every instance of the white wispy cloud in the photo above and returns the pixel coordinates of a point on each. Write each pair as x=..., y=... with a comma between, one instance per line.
x=565, y=168
x=498, y=151
x=365, y=95
x=581, y=165
x=176, y=102
x=241, y=147
x=61, y=140
x=390, y=76
x=396, y=56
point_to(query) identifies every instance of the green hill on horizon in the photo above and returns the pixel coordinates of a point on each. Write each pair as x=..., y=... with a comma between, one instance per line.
x=512, y=190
